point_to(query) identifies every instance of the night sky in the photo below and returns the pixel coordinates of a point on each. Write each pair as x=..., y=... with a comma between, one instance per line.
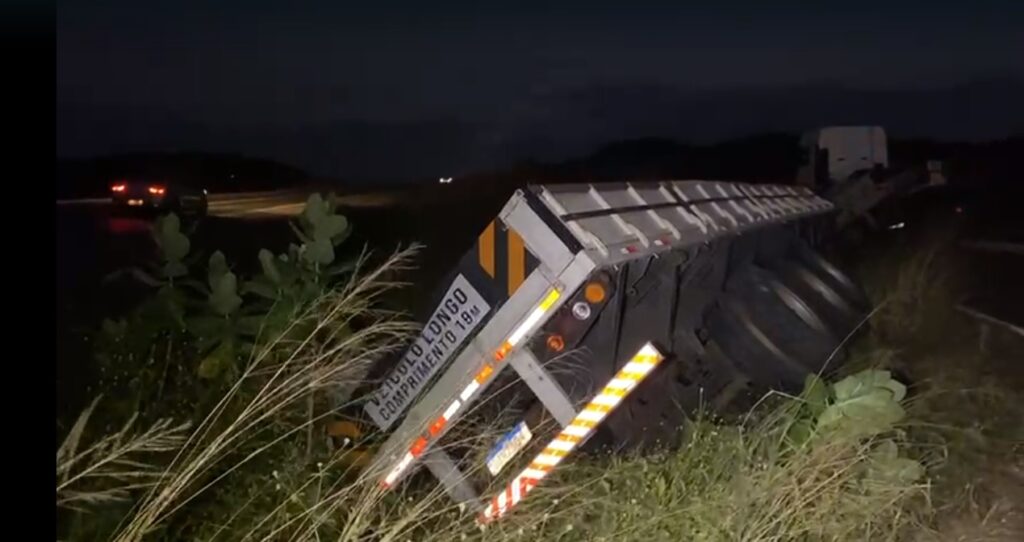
x=399, y=89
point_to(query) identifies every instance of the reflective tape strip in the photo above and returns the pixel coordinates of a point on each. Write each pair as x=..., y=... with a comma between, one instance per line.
x=469, y=390
x=576, y=431
x=395, y=472
x=547, y=459
x=608, y=400
x=452, y=408
x=639, y=366
x=484, y=374
x=533, y=318
x=591, y=415
x=619, y=383
x=535, y=474
x=562, y=445
x=566, y=441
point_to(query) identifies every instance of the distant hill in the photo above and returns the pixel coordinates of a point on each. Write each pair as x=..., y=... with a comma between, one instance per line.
x=770, y=157
x=554, y=126
x=82, y=178
x=763, y=158
x=991, y=162
x=773, y=158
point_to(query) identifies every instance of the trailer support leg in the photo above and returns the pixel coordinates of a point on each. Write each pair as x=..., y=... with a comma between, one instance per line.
x=544, y=387
x=455, y=483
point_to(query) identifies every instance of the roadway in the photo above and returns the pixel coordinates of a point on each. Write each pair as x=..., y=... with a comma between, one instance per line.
x=259, y=205
x=995, y=285
x=92, y=242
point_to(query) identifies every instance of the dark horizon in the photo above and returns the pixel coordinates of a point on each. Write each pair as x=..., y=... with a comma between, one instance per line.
x=406, y=91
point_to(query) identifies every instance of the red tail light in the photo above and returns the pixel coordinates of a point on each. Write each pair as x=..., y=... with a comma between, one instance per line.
x=118, y=188
x=157, y=190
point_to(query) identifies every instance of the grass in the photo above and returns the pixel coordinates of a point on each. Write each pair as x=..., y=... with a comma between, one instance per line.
x=251, y=468
x=726, y=483
x=968, y=402
x=110, y=468
x=264, y=415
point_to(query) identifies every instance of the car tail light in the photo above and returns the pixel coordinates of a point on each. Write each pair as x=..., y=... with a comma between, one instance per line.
x=157, y=190
x=120, y=187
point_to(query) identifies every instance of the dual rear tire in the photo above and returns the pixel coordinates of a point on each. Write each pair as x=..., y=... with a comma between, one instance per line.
x=782, y=312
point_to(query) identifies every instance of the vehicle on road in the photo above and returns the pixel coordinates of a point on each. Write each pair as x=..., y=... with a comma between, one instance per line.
x=143, y=194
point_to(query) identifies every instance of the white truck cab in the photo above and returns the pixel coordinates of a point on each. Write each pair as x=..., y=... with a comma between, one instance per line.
x=836, y=154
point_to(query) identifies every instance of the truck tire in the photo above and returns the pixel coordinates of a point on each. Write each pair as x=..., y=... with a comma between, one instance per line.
x=766, y=326
x=705, y=383
x=833, y=275
x=839, y=313
x=787, y=318
x=755, y=351
x=783, y=327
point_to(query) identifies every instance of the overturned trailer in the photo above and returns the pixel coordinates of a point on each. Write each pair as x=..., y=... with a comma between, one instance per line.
x=606, y=314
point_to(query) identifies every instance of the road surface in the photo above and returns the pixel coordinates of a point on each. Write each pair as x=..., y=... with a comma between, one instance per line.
x=92, y=242
x=257, y=205
x=996, y=278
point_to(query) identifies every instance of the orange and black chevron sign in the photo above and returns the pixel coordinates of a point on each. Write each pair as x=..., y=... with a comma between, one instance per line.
x=503, y=257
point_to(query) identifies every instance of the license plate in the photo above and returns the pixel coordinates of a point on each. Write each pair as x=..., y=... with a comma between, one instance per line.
x=508, y=447
x=457, y=316
x=135, y=202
